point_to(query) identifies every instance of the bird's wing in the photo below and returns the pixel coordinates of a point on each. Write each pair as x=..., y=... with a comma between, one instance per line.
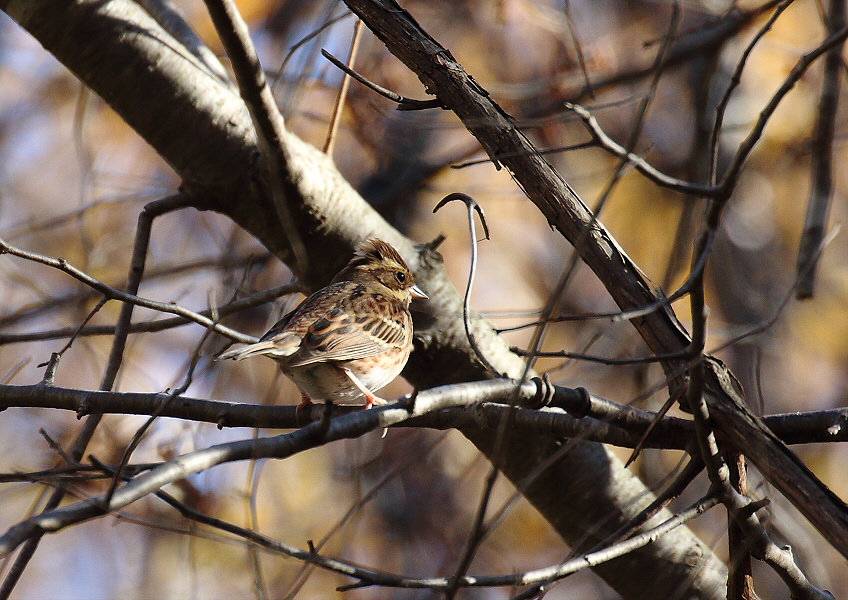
x=340, y=336
x=276, y=343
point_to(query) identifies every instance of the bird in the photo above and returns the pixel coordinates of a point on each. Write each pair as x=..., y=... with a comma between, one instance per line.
x=351, y=338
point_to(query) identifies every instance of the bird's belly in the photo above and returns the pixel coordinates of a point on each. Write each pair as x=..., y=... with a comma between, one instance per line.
x=328, y=381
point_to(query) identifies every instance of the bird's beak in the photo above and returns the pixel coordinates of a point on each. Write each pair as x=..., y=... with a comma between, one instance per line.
x=417, y=293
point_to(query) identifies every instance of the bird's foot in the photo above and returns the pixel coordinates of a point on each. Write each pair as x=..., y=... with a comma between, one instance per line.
x=372, y=400
x=305, y=401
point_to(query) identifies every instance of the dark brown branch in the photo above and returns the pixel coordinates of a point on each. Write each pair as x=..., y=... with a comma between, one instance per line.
x=822, y=159
x=403, y=102
x=614, y=423
x=266, y=117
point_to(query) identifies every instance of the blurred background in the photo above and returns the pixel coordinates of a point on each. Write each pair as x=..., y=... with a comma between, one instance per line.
x=73, y=178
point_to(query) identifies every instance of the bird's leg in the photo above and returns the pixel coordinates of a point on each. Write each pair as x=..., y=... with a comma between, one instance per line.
x=370, y=399
x=304, y=402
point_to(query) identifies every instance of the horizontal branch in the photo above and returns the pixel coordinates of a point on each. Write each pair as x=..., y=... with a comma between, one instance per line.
x=315, y=434
x=479, y=403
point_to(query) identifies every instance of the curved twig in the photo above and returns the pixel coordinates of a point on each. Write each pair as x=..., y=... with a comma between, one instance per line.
x=472, y=206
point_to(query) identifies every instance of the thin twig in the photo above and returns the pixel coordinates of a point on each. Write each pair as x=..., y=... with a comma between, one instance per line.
x=578, y=49
x=640, y=163
x=472, y=206
x=251, y=301
x=139, y=434
x=100, y=304
x=338, y=107
x=303, y=41
x=403, y=102
x=372, y=577
x=136, y=271
x=599, y=359
x=544, y=152
x=728, y=183
x=80, y=296
x=127, y=298
x=735, y=80
x=300, y=578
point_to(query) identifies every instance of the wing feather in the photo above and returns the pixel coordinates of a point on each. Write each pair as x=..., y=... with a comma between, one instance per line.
x=338, y=336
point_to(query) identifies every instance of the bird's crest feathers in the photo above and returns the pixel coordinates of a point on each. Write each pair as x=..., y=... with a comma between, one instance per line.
x=375, y=250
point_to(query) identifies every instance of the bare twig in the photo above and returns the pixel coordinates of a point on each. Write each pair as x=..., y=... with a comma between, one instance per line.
x=735, y=79
x=544, y=152
x=338, y=107
x=693, y=43
x=659, y=66
x=100, y=304
x=139, y=434
x=740, y=507
x=125, y=297
x=136, y=271
x=277, y=77
x=403, y=102
x=79, y=296
x=472, y=206
x=345, y=426
x=578, y=49
x=151, y=482
x=300, y=578
x=256, y=299
x=728, y=183
x=643, y=166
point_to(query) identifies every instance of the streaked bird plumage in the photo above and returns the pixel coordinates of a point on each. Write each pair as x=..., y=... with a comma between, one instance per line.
x=350, y=339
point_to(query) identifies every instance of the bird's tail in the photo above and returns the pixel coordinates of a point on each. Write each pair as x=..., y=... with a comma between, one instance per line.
x=268, y=348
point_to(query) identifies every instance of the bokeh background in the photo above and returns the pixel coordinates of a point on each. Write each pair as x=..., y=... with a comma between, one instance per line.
x=73, y=178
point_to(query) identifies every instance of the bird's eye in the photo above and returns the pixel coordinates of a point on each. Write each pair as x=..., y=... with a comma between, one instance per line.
x=401, y=277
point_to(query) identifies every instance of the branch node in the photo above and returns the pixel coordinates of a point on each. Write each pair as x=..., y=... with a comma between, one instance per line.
x=84, y=409
x=576, y=402
x=753, y=507
x=435, y=242
x=50, y=374
x=544, y=393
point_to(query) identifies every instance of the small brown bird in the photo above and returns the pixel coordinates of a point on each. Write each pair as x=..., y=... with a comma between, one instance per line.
x=351, y=338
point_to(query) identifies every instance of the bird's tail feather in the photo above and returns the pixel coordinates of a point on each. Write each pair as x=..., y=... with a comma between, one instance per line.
x=268, y=348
